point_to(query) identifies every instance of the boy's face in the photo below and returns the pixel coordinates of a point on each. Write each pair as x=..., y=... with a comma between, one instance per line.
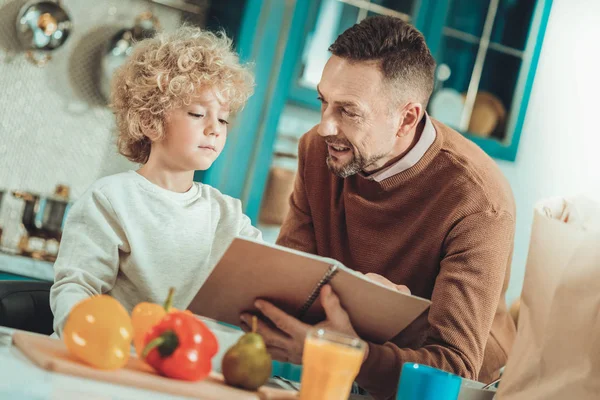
x=195, y=134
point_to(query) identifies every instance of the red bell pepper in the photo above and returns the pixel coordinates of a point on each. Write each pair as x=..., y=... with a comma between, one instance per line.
x=180, y=346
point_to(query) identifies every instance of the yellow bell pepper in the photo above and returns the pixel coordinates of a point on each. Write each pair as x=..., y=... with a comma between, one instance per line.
x=98, y=331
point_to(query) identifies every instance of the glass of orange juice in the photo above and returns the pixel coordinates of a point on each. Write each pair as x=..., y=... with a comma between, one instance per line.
x=330, y=364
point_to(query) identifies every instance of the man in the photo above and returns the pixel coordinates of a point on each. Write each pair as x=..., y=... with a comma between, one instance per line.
x=389, y=191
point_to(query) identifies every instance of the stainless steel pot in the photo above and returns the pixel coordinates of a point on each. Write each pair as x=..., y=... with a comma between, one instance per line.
x=43, y=216
x=120, y=46
x=42, y=26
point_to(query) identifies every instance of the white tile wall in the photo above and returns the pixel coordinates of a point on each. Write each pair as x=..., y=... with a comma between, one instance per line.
x=54, y=125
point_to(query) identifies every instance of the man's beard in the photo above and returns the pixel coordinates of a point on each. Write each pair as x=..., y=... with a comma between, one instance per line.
x=354, y=166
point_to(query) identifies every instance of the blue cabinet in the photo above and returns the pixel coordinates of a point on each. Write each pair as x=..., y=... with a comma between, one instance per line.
x=326, y=20
x=487, y=52
x=267, y=29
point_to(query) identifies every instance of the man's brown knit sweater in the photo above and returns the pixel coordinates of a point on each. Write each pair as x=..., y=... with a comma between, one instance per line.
x=444, y=228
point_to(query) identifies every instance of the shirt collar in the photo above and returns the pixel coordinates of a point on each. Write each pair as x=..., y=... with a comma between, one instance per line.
x=412, y=157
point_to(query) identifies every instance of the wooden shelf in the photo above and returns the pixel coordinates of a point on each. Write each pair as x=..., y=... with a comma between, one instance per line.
x=27, y=267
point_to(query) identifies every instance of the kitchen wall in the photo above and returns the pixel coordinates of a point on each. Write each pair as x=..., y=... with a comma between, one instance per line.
x=54, y=124
x=560, y=143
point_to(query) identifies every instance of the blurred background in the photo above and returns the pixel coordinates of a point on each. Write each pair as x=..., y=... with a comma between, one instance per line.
x=518, y=77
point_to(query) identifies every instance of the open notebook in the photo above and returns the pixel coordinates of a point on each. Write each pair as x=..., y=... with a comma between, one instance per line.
x=292, y=281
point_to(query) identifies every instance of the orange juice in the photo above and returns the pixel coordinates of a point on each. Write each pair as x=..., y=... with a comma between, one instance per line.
x=329, y=365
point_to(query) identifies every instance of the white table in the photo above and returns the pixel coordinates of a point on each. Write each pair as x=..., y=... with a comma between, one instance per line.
x=21, y=379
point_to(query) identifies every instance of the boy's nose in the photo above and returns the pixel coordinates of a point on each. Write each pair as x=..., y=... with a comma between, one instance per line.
x=212, y=128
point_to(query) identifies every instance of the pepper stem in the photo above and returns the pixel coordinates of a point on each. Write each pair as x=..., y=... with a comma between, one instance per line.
x=151, y=345
x=169, y=302
x=166, y=344
x=254, y=322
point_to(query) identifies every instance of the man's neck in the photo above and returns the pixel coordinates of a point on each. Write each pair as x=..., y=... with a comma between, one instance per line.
x=415, y=139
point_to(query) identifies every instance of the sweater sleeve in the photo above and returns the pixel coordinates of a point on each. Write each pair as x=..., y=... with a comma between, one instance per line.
x=246, y=228
x=297, y=231
x=88, y=259
x=464, y=301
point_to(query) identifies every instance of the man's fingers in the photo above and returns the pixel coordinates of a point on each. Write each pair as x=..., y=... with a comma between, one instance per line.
x=278, y=354
x=333, y=309
x=271, y=336
x=380, y=279
x=403, y=289
x=386, y=282
x=245, y=327
x=283, y=321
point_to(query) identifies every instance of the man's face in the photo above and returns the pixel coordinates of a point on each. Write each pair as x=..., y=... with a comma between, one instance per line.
x=358, y=121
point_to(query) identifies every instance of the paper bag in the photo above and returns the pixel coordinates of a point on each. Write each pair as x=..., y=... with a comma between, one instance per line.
x=556, y=354
x=275, y=205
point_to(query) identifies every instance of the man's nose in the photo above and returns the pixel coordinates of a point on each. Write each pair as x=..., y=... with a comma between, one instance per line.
x=327, y=127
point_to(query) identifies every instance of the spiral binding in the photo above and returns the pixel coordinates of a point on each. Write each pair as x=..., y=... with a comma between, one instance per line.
x=333, y=269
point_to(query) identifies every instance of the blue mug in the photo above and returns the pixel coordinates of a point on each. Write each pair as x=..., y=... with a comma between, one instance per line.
x=420, y=382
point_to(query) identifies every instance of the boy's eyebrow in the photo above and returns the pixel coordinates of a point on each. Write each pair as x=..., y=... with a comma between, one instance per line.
x=348, y=104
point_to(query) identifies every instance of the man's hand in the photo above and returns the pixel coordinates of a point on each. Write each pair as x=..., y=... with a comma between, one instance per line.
x=387, y=282
x=286, y=343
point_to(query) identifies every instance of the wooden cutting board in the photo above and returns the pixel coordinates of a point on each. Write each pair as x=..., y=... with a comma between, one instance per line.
x=52, y=355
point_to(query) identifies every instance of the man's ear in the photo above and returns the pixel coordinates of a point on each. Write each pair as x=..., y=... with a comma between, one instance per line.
x=410, y=116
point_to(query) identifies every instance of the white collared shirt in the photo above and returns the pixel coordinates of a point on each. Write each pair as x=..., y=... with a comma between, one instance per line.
x=412, y=157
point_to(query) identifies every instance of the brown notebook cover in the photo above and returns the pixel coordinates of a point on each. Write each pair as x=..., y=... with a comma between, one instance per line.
x=292, y=280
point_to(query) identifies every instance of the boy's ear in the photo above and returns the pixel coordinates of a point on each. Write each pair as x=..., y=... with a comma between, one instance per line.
x=152, y=131
x=151, y=134
x=158, y=129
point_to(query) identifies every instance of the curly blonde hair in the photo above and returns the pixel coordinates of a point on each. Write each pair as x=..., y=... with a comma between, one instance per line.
x=164, y=73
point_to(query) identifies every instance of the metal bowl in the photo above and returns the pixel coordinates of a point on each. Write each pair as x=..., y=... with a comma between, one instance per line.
x=42, y=26
x=120, y=46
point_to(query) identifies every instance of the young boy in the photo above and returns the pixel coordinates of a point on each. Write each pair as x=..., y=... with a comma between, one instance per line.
x=135, y=234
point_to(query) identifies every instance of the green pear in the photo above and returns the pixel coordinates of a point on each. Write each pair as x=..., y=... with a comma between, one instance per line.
x=252, y=339
x=247, y=364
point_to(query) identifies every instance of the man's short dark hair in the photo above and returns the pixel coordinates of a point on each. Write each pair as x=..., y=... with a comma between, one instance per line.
x=400, y=49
